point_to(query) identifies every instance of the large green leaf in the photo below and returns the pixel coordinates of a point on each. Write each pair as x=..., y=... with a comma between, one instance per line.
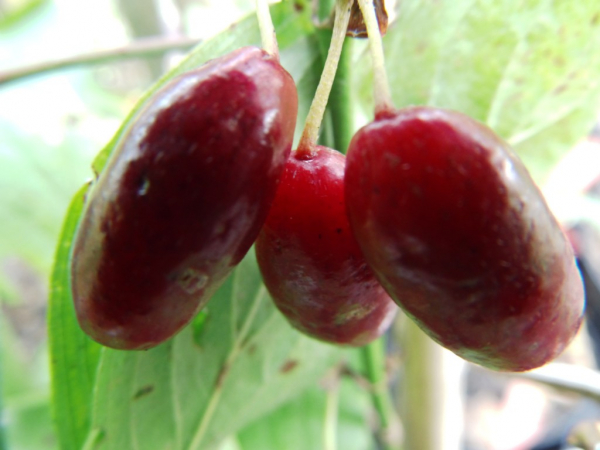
x=300, y=424
x=530, y=69
x=73, y=355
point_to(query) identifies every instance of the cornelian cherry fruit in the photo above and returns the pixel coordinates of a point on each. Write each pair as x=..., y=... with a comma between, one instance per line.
x=182, y=198
x=311, y=263
x=459, y=235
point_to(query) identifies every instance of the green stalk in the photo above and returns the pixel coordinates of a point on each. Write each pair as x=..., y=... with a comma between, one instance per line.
x=331, y=417
x=267, y=29
x=340, y=107
x=374, y=359
x=338, y=123
x=431, y=401
x=310, y=134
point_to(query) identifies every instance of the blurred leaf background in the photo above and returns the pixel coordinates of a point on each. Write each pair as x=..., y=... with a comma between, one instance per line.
x=239, y=377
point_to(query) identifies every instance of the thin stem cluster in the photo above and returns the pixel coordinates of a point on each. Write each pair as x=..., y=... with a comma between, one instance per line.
x=267, y=30
x=319, y=103
x=383, y=98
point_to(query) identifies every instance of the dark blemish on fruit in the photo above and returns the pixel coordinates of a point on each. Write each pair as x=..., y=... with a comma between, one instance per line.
x=142, y=392
x=278, y=247
x=144, y=185
x=320, y=236
x=393, y=160
x=416, y=190
x=288, y=366
x=376, y=190
x=338, y=231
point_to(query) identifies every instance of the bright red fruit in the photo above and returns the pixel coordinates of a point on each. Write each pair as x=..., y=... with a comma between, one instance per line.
x=182, y=198
x=457, y=232
x=311, y=263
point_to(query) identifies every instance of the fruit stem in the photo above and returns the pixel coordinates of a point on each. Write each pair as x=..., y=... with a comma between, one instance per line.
x=381, y=86
x=267, y=30
x=310, y=134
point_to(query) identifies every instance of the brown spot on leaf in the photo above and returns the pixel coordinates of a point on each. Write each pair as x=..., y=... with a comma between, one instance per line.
x=288, y=366
x=222, y=374
x=143, y=391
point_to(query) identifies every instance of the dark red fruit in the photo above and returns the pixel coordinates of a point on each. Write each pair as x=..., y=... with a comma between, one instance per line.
x=182, y=198
x=457, y=232
x=311, y=263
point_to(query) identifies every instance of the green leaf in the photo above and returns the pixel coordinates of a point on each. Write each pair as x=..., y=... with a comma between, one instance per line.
x=528, y=69
x=74, y=356
x=300, y=424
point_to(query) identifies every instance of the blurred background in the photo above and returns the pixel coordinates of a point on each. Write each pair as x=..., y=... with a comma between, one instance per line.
x=52, y=124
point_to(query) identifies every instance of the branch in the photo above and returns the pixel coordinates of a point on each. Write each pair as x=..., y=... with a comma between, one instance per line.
x=137, y=48
x=567, y=377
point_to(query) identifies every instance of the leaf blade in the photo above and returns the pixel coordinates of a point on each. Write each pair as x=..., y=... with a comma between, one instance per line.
x=74, y=356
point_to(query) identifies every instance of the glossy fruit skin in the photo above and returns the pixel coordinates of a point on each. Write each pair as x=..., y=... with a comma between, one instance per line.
x=182, y=198
x=458, y=233
x=311, y=263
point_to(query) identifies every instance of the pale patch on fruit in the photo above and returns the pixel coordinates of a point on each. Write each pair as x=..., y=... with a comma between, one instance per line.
x=192, y=280
x=353, y=312
x=268, y=121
